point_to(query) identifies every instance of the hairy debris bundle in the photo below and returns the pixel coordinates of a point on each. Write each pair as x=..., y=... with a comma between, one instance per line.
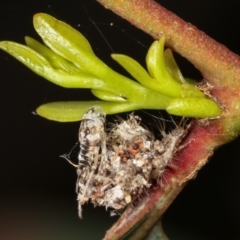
x=117, y=166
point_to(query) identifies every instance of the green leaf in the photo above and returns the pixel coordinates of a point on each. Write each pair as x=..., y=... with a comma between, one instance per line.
x=137, y=71
x=73, y=110
x=68, y=43
x=62, y=38
x=158, y=70
x=172, y=66
x=54, y=59
x=106, y=96
x=193, y=107
x=69, y=61
x=71, y=45
x=40, y=65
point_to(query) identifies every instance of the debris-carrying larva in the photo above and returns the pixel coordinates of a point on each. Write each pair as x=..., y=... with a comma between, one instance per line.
x=92, y=140
x=116, y=166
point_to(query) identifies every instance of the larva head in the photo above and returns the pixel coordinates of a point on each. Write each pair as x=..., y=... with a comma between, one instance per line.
x=95, y=112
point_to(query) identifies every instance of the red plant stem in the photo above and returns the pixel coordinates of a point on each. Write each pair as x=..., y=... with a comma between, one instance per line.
x=220, y=67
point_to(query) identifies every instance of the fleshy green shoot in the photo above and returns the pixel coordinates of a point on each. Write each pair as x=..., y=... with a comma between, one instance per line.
x=67, y=59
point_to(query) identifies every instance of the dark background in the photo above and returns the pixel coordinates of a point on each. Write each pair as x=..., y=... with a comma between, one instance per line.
x=37, y=188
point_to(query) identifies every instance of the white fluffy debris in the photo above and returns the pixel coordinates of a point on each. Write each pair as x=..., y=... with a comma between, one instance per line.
x=116, y=167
